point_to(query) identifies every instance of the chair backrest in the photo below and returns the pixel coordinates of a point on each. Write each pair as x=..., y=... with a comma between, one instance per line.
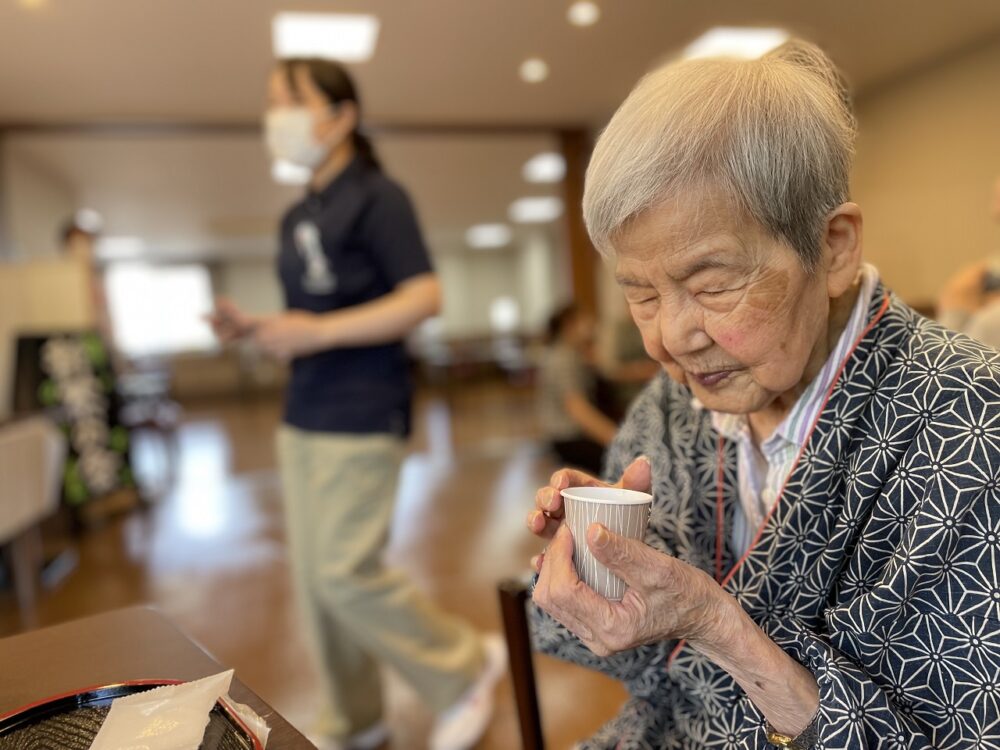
x=32, y=454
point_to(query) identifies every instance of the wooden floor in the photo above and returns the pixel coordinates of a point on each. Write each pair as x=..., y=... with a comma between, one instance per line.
x=211, y=554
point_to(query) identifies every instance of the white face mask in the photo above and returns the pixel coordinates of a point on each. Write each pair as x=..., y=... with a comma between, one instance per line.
x=289, y=135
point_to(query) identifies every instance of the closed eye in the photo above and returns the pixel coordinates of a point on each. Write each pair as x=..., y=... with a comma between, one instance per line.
x=718, y=292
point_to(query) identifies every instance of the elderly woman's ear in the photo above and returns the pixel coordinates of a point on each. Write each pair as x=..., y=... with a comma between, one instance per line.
x=843, y=248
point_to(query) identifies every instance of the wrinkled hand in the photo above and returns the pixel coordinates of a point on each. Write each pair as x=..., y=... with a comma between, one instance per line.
x=548, y=514
x=229, y=322
x=290, y=334
x=666, y=598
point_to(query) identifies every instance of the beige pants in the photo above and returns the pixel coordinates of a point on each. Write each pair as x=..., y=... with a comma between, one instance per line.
x=340, y=491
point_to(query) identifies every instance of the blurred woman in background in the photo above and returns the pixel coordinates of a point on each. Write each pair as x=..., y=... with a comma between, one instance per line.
x=357, y=279
x=578, y=431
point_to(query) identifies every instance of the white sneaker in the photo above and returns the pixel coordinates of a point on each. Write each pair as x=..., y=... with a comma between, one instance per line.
x=461, y=726
x=370, y=739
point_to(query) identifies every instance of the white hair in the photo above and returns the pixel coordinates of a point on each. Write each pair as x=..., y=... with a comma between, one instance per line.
x=775, y=135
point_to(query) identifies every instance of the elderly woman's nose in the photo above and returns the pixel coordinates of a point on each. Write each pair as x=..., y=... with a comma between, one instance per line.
x=681, y=331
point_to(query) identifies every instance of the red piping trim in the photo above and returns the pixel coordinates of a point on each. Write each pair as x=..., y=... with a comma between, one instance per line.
x=131, y=683
x=719, y=515
x=781, y=494
x=53, y=698
x=238, y=719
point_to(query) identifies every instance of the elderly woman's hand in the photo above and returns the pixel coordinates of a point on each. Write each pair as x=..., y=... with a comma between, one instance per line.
x=666, y=598
x=547, y=516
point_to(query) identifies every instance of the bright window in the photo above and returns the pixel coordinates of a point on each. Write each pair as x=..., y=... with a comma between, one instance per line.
x=159, y=309
x=505, y=315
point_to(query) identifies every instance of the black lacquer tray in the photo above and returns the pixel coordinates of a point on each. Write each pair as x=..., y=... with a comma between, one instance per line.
x=72, y=720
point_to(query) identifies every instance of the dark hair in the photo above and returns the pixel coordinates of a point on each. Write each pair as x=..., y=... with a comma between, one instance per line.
x=336, y=84
x=558, y=321
x=68, y=229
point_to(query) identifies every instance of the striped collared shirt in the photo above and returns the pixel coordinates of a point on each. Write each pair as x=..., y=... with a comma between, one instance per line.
x=763, y=469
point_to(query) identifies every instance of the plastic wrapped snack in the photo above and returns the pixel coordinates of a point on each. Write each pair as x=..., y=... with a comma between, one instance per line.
x=166, y=718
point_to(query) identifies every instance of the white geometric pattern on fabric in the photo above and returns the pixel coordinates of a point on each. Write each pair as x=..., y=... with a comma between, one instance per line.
x=879, y=568
x=762, y=470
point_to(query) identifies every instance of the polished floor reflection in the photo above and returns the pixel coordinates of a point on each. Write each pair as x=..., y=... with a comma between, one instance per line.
x=211, y=555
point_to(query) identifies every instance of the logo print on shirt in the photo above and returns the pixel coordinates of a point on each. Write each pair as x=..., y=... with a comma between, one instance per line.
x=318, y=279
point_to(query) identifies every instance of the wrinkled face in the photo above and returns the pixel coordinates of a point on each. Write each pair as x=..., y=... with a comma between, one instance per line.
x=726, y=308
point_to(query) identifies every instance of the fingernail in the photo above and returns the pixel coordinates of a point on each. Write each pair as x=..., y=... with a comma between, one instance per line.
x=547, y=502
x=644, y=458
x=599, y=537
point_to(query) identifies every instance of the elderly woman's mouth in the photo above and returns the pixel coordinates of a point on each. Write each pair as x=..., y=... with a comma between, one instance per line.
x=711, y=378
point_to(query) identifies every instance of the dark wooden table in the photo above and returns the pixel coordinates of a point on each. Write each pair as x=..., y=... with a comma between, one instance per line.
x=128, y=644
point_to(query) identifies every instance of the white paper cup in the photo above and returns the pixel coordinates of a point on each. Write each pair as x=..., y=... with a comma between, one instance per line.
x=625, y=512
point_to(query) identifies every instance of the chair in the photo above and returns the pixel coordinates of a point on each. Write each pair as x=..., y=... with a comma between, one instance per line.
x=514, y=596
x=32, y=453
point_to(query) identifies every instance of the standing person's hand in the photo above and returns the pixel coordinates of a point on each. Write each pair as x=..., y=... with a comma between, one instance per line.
x=291, y=334
x=229, y=322
x=548, y=514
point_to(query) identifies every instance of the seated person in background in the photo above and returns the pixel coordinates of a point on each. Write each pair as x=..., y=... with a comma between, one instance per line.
x=969, y=300
x=577, y=429
x=820, y=567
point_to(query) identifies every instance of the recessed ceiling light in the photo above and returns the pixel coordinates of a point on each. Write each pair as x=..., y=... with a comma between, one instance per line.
x=484, y=236
x=286, y=173
x=534, y=70
x=545, y=167
x=733, y=41
x=346, y=37
x=535, y=210
x=583, y=13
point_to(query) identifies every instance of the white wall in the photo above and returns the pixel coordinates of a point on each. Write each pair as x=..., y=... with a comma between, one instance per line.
x=35, y=205
x=928, y=156
x=471, y=281
x=530, y=271
x=543, y=286
x=252, y=284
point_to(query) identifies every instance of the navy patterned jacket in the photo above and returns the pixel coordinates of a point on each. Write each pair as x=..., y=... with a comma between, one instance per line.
x=878, y=569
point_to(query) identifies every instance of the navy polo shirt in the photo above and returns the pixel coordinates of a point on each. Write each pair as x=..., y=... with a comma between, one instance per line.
x=350, y=243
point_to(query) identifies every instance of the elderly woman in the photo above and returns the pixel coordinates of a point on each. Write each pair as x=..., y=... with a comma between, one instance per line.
x=822, y=565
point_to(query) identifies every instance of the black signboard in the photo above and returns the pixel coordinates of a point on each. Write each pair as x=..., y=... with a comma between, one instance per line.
x=69, y=376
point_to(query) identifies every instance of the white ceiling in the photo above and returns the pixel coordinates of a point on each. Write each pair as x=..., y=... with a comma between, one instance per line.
x=212, y=194
x=437, y=62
